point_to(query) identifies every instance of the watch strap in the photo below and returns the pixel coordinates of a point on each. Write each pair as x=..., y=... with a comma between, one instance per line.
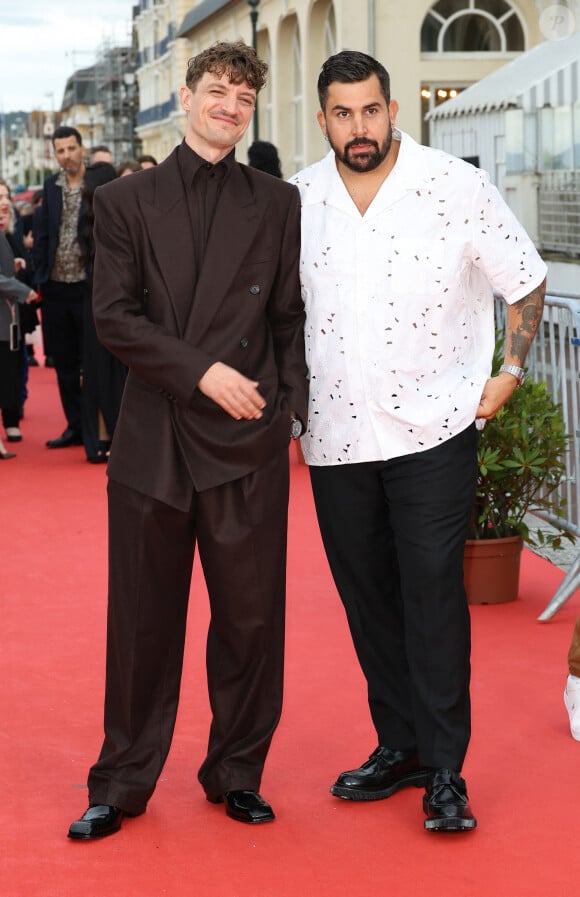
x=515, y=371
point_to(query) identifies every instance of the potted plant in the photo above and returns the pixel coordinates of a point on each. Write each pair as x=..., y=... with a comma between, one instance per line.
x=521, y=464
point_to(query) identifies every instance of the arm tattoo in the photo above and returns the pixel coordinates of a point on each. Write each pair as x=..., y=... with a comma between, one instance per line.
x=524, y=321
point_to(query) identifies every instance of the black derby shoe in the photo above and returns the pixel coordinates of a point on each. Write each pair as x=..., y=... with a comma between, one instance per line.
x=385, y=772
x=98, y=821
x=445, y=803
x=245, y=806
x=68, y=437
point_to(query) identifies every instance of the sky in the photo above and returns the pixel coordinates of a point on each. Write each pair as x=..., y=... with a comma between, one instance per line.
x=43, y=43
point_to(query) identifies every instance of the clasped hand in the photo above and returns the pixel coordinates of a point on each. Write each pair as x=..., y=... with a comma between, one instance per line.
x=233, y=392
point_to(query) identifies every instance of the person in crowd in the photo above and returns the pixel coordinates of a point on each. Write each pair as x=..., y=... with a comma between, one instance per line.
x=264, y=156
x=402, y=247
x=100, y=153
x=128, y=166
x=61, y=276
x=27, y=219
x=30, y=312
x=13, y=293
x=572, y=690
x=147, y=161
x=26, y=314
x=103, y=374
x=214, y=344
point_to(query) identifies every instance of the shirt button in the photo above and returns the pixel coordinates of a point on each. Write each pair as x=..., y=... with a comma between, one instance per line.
x=244, y=343
x=254, y=289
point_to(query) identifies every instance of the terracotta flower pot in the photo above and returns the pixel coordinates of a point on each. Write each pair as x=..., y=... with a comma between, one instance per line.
x=491, y=569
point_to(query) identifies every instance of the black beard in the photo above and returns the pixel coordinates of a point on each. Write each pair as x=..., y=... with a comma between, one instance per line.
x=367, y=162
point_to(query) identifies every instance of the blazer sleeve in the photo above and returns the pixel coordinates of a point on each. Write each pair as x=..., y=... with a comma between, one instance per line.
x=286, y=315
x=13, y=290
x=47, y=213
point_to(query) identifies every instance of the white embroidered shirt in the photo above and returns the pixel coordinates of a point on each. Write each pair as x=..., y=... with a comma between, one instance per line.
x=399, y=302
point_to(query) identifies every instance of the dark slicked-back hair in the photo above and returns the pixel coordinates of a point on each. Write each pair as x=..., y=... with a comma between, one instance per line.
x=348, y=67
x=66, y=131
x=240, y=61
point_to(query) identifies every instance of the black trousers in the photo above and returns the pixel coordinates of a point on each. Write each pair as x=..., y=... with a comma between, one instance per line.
x=394, y=533
x=11, y=383
x=240, y=529
x=62, y=315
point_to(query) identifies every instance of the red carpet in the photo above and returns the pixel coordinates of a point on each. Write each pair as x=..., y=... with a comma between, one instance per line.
x=523, y=768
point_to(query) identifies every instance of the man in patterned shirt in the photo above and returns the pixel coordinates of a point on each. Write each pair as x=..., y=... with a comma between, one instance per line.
x=402, y=247
x=61, y=276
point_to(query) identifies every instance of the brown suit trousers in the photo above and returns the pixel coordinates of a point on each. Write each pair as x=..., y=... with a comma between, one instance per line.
x=240, y=530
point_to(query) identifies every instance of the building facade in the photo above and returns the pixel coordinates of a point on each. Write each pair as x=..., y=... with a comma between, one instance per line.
x=432, y=50
x=522, y=125
x=102, y=101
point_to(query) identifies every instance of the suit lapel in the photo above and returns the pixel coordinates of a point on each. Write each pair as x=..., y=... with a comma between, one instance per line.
x=236, y=221
x=167, y=221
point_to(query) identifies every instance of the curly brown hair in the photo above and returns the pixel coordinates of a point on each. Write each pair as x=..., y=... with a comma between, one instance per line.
x=240, y=61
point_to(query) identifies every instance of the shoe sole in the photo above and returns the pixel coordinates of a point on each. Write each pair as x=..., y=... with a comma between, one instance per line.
x=250, y=821
x=450, y=824
x=415, y=779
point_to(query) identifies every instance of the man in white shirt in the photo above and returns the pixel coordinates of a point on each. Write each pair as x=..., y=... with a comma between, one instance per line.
x=402, y=248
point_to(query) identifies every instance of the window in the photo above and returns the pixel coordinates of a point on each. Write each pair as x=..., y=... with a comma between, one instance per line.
x=472, y=26
x=433, y=95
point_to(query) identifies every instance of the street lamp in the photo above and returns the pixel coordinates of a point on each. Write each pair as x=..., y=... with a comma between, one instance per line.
x=253, y=4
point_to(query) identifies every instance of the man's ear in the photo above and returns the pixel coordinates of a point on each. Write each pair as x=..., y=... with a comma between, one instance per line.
x=393, y=111
x=321, y=118
x=185, y=98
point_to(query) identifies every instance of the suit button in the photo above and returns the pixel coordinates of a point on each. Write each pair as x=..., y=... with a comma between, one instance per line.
x=244, y=343
x=254, y=289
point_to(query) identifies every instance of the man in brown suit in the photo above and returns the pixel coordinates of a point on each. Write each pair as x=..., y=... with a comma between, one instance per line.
x=196, y=290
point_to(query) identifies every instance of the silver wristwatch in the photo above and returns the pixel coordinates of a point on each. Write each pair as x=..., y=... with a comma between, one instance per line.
x=296, y=427
x=515, y=371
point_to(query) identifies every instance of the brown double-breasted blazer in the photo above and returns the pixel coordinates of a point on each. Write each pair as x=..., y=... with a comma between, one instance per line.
x=245, y=310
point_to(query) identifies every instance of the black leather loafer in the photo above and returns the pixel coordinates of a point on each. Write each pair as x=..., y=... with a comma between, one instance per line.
x=384, y=773
x=445, y=803
x=99, y=821
x=68, y=437
x=245, y=806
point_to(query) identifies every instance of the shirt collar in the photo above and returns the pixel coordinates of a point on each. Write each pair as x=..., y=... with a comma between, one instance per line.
x=410, y=172
x=190, y=162
x=62, y=182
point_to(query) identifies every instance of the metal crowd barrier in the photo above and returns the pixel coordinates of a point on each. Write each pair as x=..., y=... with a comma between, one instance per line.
x=554, y=358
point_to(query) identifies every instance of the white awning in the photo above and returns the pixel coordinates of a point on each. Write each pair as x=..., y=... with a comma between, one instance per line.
x=548, y=74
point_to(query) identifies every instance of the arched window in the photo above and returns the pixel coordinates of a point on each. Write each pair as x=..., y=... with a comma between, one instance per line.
x=330, y=32
x=472, y=26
